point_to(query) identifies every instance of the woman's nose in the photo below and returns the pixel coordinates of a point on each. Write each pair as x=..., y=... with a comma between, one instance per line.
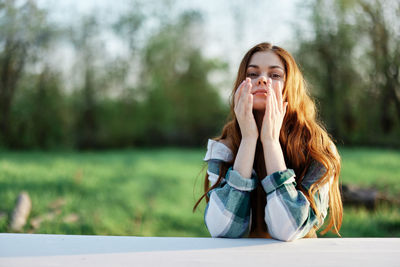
x=262, y=80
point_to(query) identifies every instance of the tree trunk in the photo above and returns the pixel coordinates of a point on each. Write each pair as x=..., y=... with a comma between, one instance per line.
x=11, y=68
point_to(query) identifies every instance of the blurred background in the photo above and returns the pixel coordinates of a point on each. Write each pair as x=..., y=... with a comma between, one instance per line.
x=106, y=106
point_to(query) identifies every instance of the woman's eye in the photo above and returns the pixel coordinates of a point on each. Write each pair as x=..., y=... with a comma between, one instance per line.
x=252, y=74
x=276, y=76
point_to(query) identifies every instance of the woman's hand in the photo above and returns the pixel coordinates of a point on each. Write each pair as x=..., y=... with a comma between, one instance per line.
x=275, y=111
x=244, y=114
x=244, y=110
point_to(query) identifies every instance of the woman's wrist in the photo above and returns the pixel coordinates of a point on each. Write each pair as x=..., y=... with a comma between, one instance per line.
x=250, y=135
x=245, y=157
x=274, y=155
x=272, y=147
x=249, y=140
x=268, y=142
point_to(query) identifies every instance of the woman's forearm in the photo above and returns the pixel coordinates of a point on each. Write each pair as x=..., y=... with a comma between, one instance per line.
x=274, y=159
x=245, y=157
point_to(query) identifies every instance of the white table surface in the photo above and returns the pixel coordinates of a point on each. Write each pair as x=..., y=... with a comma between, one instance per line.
x=70, y=250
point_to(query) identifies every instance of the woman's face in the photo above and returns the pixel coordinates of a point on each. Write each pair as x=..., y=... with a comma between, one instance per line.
x=262, y=67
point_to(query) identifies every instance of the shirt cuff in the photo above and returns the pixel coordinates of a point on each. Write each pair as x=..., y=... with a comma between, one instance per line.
x=275, y=180
x=235, y=180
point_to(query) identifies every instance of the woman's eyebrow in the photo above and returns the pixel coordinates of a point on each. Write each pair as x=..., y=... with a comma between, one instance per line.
x=270, y=67
x=276, y=67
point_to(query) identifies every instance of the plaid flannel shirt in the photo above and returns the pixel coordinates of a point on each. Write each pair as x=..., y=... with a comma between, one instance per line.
x=288, y=213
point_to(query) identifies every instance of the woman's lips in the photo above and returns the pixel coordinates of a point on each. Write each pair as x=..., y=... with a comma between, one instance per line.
x=260, y=91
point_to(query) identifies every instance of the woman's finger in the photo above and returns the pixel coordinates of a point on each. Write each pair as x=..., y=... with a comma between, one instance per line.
x=243, y=95
x=250, y=102
x=238, y=92
x=275, y=107
x=268, y=103
x=273, y=97
x=247, y=91
x=278, y=94
x=250, y=85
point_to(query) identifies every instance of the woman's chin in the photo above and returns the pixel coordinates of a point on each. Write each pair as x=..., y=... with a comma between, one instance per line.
x=259, y=104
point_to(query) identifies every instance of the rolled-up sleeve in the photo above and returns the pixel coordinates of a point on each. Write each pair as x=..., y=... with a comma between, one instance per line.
x=228, y=211
x=288, y=213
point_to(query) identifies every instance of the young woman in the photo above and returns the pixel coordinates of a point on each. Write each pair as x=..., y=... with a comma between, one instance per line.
x=274, y=170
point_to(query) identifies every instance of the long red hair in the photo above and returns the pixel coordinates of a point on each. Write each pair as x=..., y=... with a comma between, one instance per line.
x=302, y=137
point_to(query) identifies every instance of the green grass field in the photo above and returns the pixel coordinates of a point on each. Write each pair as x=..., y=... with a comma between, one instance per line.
x=151, y=192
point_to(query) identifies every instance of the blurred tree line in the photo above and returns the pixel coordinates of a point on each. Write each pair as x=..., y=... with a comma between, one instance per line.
x=158, y=90
x=352, y=62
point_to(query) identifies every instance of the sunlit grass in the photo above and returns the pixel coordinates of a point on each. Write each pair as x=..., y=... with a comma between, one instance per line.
x=378, y=168
x=151, y=192
x=360, y=222
x=136, y=192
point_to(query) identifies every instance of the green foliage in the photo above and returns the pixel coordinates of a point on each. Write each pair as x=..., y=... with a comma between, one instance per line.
x=352, y=64
x=38, y=114
x=183, y=107
x=172, y=101
x=154, y=87
x=24, y=36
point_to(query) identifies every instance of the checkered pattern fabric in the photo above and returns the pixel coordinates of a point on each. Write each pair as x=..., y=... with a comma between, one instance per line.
x=288, y=214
